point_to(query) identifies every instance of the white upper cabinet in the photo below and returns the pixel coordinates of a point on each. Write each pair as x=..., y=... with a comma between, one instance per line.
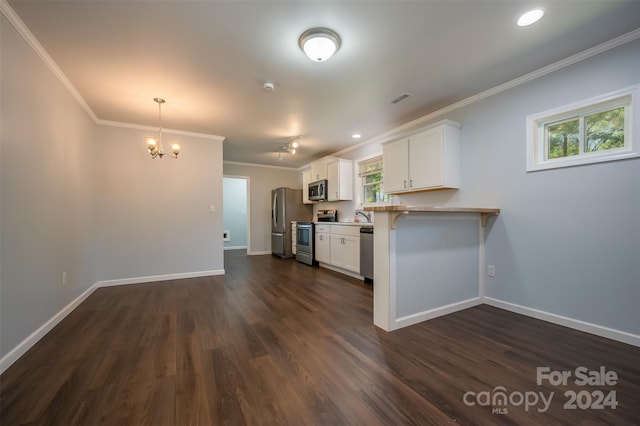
x=340, y=180
x=319, y=169
x=428, y=160
x=395, y=166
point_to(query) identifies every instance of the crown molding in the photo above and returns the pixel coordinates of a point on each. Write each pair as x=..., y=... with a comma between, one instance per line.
x=266, y=166
x=563, y=63
x=22, y=29
x=17, y=23
x=121, y=124
x=13, y=18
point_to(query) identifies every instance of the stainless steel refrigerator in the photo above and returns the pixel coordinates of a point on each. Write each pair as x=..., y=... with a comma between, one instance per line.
x=286, y=206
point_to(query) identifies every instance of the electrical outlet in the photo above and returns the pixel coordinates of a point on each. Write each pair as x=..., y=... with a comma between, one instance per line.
x=64, y=278
x=491, y=270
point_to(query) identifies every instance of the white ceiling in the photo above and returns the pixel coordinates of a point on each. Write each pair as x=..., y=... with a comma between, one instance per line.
x=209, y=60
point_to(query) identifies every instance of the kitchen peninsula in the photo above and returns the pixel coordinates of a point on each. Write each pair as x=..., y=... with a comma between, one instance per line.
x=429, y=262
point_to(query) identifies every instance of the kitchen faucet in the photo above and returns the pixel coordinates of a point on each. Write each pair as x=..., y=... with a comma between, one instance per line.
x=366, y=215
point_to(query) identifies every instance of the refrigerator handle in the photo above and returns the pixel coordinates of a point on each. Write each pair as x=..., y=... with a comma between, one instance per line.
x=274, y=213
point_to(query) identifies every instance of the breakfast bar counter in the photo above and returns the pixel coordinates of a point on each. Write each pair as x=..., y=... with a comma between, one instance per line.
x=428, y=262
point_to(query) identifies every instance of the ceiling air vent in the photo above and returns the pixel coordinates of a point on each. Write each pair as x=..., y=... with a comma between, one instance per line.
x=400, y=98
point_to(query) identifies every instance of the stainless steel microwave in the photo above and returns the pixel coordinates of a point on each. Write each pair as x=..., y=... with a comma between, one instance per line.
x=318, y=190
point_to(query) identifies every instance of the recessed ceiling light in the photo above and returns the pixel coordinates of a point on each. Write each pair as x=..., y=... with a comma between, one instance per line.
x=530, y=17
x=356, y=136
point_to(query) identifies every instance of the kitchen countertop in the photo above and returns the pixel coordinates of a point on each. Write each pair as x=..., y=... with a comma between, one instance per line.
x=345, y=223
x=399, y=210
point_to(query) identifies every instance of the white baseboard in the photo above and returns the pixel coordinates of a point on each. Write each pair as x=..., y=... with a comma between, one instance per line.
x=434, y=313
x=609, y=333
x=587, y=327
x=235, y=247
x=342, y=271
x=257, y=253
x=155, y=278
x=15, y=353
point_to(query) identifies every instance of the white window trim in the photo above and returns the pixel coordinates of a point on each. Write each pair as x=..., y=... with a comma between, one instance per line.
x=358, y=182
x=535, y=138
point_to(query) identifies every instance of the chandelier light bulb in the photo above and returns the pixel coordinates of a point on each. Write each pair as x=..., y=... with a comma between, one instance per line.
x=154, y=144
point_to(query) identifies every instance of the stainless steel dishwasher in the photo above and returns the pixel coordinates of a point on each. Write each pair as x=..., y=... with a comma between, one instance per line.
x=366, y=252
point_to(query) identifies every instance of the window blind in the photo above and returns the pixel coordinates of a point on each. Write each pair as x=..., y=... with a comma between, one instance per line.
x=370, y=166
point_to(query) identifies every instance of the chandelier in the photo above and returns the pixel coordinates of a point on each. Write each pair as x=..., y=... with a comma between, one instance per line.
x=289, y=148
x=154, y=143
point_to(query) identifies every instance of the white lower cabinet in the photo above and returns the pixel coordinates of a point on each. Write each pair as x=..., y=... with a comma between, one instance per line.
x=345, y=252
x=339, y=246
x=323, y=243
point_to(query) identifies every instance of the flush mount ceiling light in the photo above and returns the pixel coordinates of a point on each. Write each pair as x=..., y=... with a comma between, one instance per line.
x=268, y=86
x=154, y=143
x=290, y=147
x=319, y=43
x=530, y=17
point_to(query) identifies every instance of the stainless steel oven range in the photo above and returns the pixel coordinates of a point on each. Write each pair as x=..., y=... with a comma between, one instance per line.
x=304, y=243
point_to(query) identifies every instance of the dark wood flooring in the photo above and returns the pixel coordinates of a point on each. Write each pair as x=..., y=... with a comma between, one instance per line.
x=278, y=342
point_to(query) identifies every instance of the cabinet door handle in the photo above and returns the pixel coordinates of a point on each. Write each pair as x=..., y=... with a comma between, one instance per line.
x=405, y=183
x=411, y=183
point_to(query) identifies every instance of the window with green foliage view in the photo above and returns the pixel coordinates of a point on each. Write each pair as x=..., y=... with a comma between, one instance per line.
x=563, y=139
x=592, y=131
x=370, y=171
x=601, y=131
x=604, y=130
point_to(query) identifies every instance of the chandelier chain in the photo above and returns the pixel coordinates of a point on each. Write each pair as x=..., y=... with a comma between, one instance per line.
x=155, y=145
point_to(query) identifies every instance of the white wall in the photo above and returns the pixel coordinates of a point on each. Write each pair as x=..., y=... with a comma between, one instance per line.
x=87, y=200
x=568, y=240
x=261, y=181
x=48, y=153
x=235, y=212
x=437, y=262
x=154, y=215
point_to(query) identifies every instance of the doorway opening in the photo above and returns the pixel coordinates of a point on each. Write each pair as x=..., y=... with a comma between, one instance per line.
x=236, y=214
